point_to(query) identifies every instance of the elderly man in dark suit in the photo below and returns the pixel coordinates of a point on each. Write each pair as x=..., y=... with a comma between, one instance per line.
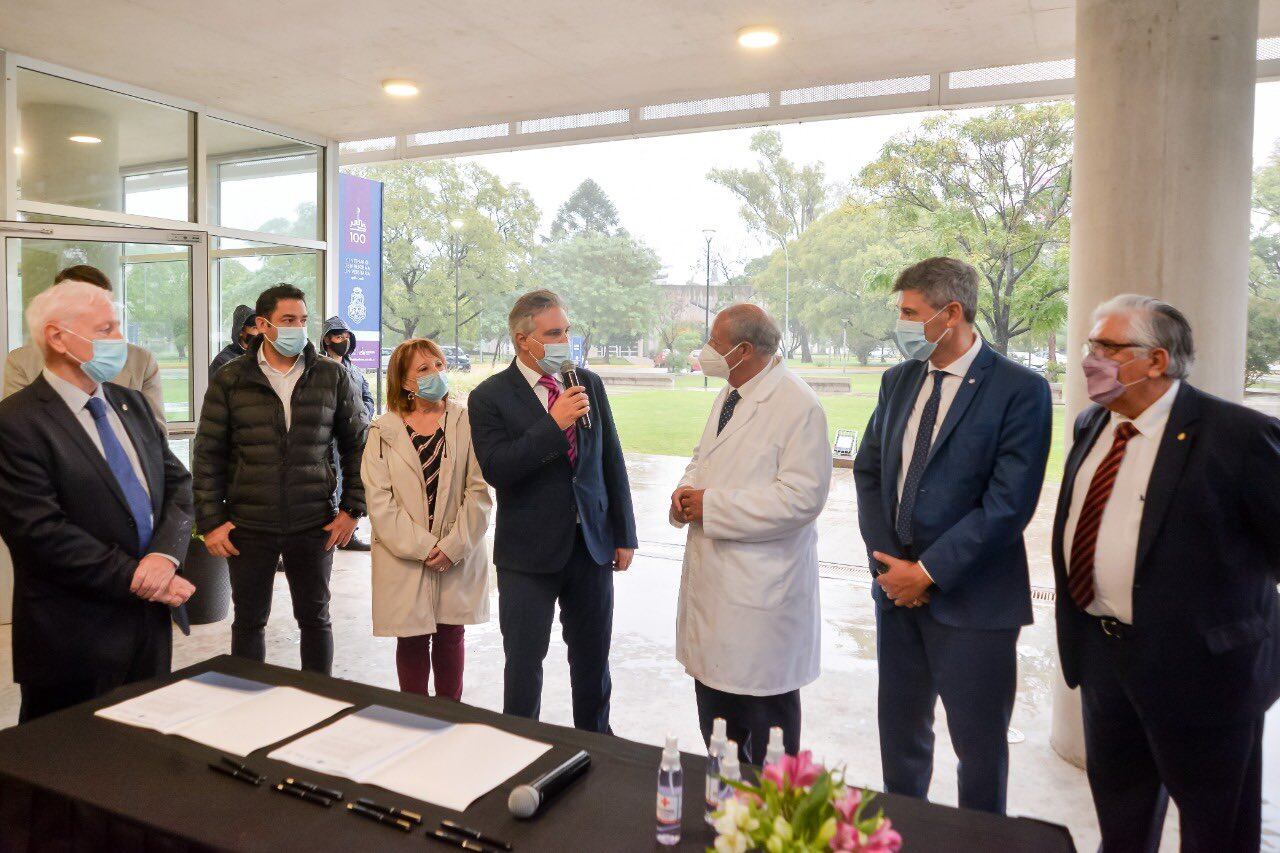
x=95, y=509
x=564, y=511
x=1166, y=552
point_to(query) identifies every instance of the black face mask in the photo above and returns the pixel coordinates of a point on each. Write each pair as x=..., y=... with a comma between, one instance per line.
x=341, y=347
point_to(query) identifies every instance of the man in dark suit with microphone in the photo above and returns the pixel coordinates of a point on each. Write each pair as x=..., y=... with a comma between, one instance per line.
x=95, y=509
x=1166, y=553
x=564, y=511
x=948, y=476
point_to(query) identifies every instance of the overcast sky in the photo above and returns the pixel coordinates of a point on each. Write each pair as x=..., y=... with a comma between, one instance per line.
x=660, y=188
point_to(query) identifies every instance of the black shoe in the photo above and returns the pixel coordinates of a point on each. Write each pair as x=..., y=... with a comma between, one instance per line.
x=355, y=544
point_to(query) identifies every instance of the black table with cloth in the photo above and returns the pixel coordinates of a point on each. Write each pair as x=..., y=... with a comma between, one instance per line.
x=73, y=781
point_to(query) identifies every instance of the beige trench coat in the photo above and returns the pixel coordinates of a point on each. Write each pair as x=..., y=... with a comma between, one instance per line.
x=408, y=599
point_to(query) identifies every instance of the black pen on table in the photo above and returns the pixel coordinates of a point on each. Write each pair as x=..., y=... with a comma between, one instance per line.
x=235, y=773
x=232, y=763
x=304, y=795
x=459, y=841
x=402, y=814
x=459, y=829
x=313, y=788
x=380, y=817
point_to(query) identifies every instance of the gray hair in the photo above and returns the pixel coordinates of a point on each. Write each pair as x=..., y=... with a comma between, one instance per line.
x=942, y=281
x=61, y=304
x=520, y=320
x=1155, y=325
x=751, y=324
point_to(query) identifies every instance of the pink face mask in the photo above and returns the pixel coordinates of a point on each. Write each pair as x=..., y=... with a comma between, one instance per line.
x=1101, y=375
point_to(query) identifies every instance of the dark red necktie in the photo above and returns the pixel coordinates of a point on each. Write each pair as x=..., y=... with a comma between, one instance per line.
x=1085, y=541
x=553, y=394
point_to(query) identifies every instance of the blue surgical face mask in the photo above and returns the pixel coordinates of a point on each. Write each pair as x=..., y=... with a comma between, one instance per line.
x=433, y=387
x=553, y=356
x=912, y=341
x=109, y=355
x=290, y=340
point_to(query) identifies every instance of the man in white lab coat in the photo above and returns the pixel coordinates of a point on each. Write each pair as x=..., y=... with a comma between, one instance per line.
x=748, y=624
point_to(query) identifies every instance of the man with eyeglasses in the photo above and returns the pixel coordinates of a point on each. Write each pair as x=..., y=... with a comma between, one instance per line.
x=1166, y=554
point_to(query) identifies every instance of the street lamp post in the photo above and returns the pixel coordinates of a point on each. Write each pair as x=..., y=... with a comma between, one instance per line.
x=455, y=250
x=708, y=233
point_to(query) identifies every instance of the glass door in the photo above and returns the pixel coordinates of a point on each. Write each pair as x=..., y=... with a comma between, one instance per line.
x=160, y=281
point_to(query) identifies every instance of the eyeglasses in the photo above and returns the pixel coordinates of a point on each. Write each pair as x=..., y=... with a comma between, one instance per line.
x=1107, y=349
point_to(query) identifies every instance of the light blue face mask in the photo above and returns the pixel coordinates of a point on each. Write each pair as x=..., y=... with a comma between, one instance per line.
x=554, y=356
x=911, y=340
x=108, y=360
x=290, y=340
x=433, y=387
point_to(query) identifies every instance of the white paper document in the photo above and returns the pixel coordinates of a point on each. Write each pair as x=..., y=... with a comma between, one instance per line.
x=450, y=765
x=230, y=714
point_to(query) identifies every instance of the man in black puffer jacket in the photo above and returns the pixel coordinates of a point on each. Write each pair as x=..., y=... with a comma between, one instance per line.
x=264, y=477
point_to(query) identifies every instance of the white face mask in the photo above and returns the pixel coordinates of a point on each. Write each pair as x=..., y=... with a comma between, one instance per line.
x=714, y=364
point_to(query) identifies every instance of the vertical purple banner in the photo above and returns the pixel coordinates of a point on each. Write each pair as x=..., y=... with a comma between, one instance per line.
x=360, y=266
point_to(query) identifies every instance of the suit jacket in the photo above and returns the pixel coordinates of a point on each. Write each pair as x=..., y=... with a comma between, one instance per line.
x=524, y=456
x=978, y=492
x=1205, y=647
x=140, y=372
x=72, y=537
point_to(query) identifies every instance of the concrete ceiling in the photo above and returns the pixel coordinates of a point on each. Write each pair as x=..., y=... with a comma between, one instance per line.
x=316, y=65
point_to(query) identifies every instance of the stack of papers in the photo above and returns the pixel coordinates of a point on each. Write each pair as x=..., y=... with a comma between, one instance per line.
x=450, y=765
x=230, y=714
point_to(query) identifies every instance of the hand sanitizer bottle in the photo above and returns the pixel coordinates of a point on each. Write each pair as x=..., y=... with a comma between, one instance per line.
x=670, y=794
x=730, y=770
x=775, y=751
x=715, y=757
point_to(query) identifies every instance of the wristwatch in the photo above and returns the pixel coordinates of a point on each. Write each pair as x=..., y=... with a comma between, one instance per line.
x=356, y=514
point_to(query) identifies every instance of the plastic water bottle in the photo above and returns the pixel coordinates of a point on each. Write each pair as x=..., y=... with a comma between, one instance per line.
x=730, y=770
x=775, y=751
x=715, y=756
x=670, y=794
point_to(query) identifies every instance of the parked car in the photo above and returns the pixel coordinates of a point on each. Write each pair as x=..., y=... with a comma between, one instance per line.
x=456, y=359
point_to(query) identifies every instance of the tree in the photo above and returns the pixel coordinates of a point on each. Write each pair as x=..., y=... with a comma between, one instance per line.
x=1262, y=348
x=779, y=199
x=420, y=248
x=610, y=284
x=993, y=188
x=587, y=211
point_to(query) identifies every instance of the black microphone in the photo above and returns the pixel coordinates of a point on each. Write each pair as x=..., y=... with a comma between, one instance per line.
x=525, y=800
x=570, y=373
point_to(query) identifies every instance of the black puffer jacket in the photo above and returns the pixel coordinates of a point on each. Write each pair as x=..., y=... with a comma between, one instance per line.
x=248, y=471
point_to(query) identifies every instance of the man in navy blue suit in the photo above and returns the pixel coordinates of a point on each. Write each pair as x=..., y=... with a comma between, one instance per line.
x=564, y=511
x=1166, y=552
x=948, y=476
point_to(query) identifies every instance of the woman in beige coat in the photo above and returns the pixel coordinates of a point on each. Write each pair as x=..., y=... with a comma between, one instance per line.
x=429, y=508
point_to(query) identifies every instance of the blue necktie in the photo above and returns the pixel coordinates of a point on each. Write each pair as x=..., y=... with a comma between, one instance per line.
x=134, y=494
x=919, y=456
x=726, y=411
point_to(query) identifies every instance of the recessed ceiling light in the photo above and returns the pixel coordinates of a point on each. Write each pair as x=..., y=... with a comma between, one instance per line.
x=400, y=88
x=758, y=36
x=85, y=139
x=17, y=149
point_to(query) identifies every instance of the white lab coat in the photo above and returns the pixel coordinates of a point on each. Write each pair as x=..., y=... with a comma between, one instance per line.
x=749, y=615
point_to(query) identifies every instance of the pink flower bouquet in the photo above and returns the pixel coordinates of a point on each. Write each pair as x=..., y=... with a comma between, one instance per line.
x=801, y=807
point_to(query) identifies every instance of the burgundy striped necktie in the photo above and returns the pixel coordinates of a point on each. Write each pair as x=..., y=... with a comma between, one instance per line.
x=553, y=394
x=1085, y=541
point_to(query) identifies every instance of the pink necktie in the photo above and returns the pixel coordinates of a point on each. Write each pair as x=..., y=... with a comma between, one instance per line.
x=553, y=394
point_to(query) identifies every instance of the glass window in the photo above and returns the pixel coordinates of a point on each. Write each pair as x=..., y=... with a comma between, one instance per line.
x=262, y=182
x=88, y=147
x=152, y=283
x=240, y=270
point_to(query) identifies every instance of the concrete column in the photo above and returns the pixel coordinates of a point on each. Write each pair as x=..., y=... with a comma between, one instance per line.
x=1161, y=189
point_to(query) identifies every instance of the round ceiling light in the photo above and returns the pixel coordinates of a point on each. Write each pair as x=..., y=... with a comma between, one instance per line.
x=400, y=88
x=17, y=149
x=758, y=37
x=85, y=139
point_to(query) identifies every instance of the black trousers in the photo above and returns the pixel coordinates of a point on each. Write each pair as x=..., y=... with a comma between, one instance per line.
x=526, y=605
x=1214, y=773
x=152, y=656
x=975, y=673
x=749, y=718
x=307, y=567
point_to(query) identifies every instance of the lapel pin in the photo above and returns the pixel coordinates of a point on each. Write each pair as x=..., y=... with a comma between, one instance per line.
x=124, y=406
x=971, y=381
x=1182, y=436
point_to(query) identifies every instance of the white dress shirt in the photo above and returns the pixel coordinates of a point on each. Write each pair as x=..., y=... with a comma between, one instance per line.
x=952, y=377
x=283, y=383
x=1116, y=552
x=78, y=402
x=744, y=390
x=534, y=378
